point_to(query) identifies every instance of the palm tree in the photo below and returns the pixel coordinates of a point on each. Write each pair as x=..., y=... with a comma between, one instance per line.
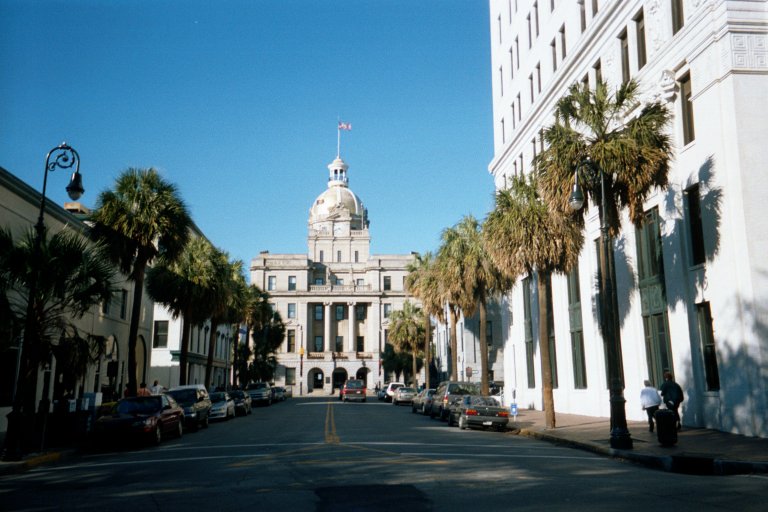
x=448, y=268
x=77, y=277
x=405, y=331
x=422, y=282
x=268, y=333
x=631, y=151
x=219, y=299
x=481, y=281
x=142, y=218
x=523, y=236
x=180, y=286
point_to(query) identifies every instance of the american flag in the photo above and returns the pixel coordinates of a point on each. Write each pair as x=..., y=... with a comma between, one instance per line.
x=345, y=126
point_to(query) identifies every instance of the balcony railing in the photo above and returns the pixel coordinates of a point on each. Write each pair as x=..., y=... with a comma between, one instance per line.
x=339, y=288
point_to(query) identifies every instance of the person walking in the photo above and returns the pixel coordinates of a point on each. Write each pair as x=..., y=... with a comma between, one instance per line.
x=156, y=388
x=143, y=391
x=650, y=400
x=672, y=394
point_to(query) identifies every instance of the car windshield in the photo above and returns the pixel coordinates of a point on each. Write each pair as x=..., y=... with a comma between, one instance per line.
x=218, y=397
x=258, y=385
x=355, y=384
x=237, y=394
x=142, y=405
x=184, y=396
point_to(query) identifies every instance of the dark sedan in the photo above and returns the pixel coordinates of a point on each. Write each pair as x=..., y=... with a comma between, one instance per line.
x=144, y=418
x=479, y=412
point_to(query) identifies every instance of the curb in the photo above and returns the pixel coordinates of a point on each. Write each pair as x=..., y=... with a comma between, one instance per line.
x=687, y=464
x=33, y=461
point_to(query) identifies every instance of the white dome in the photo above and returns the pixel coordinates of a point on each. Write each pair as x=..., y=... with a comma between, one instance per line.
x=338, y=201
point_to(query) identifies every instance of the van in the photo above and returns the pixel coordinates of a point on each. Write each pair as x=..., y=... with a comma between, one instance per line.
x=196, y=402
x=447, y=392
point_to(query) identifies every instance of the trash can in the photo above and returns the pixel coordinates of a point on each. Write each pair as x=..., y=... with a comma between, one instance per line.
x=666, y=427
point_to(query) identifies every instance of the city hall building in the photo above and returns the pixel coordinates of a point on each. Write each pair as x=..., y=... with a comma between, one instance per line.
x=692, y=282
x=337, y=298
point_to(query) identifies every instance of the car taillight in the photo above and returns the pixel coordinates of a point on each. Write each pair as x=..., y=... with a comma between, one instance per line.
x=471, y=412
x=503, y=414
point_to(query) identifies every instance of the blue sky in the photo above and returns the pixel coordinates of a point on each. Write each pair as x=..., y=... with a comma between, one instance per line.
x=237, y=103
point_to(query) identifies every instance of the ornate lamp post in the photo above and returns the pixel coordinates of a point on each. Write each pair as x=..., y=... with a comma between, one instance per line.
x=620, y=437
x=62, y=156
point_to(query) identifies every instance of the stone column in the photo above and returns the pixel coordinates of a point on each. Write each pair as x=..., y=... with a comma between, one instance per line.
x=327, y=327
x=352, y=342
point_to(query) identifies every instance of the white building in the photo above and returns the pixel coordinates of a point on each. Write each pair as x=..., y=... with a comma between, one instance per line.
x=705, y=315
x=336, y=299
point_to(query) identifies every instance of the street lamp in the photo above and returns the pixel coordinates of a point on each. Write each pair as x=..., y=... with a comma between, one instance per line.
x=620, y=437
x=62, y=156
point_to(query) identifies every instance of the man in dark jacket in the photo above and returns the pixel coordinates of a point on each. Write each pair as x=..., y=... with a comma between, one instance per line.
x=672, y=394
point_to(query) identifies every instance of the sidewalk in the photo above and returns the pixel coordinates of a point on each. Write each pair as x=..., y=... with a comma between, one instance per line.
x=698, y=451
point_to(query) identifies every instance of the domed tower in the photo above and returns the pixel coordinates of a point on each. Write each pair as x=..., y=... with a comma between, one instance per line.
x=338, y=221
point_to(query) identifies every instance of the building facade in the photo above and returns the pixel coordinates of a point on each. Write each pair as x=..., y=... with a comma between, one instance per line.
x=106, y=377
x=336, y=299
x=692, y=281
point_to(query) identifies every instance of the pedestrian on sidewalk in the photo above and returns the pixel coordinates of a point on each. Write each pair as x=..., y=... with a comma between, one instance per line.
x=650, y=400
x=143, y=391
x=157, y=388
x=672, y=394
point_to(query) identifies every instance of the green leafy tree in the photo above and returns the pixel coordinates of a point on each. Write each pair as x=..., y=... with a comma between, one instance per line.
x=628, y=144
x=77, y=277
x=405, y=332
x=423, y=283
x=180, y=286
x=141, y=219
x=268, y=334
x=523, y=235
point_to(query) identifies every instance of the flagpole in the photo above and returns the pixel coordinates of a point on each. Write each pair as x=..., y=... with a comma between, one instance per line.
x=338, y=140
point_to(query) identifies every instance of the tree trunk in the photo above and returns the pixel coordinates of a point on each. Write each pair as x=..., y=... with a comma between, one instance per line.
x=139, y=271
x=546, y=362
x=211, y=350
x=454, y=344
x=184, y=352
x=483, y=350
x=414, y=379
x=427, y=334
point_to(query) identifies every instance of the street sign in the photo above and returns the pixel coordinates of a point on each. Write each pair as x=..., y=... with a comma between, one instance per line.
x=469, y=372
x=513, y=409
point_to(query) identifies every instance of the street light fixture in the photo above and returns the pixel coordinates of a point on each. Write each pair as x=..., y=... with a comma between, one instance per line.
x=62, y=156
x=620, y=437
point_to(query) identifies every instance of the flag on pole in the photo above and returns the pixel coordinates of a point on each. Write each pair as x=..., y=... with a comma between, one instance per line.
x=345, y=126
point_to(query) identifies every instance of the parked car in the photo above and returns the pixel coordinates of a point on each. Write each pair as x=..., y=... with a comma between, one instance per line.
x=223, y=407
x=448, y=391
x=478, y=411
x=261, y=393
x=422, y=402
x=403, y=395
x=288, y=392
x=242, y=402
x=196, y=403
x=278, y=394
x=381, y=394
x=144, y=418
x=390, y=390
x=353, y=389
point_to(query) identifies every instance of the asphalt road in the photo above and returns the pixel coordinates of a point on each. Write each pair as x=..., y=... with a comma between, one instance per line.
x=323, y=455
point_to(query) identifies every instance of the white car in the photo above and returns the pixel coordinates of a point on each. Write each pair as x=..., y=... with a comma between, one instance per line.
x=223, y=407
x=390, y=391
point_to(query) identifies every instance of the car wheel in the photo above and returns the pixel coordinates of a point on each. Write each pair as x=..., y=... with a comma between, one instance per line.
x=205, y=422
x=463, y=423
x=413, y=409
x=431, y=414
x=180, y=429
